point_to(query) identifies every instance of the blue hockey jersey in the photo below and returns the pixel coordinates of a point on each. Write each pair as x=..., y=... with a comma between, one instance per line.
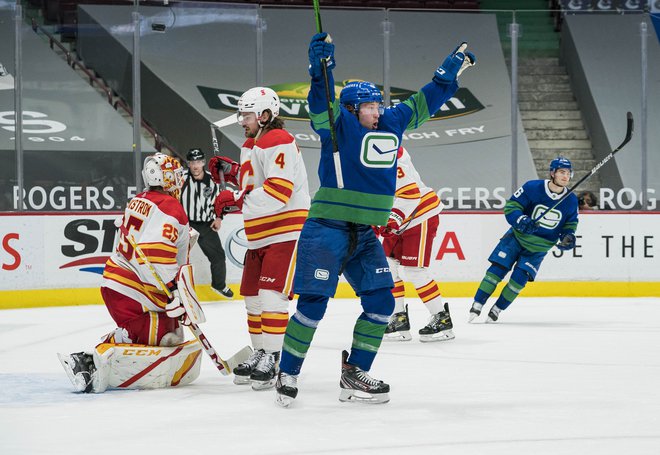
x=534, y=198
x=368, y=157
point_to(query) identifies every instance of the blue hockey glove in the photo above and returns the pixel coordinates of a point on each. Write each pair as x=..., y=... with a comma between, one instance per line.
x=525, y=225
x=454, y=65
x=566, y=242
x=321, y=47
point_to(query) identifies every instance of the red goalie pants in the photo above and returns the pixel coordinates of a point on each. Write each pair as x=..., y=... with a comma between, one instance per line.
x=142, y=327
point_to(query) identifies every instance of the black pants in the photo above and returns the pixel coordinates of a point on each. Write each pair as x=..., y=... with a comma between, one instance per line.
x=210, y=244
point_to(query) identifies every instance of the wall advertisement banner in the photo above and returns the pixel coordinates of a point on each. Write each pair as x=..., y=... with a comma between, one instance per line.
x=68, y=251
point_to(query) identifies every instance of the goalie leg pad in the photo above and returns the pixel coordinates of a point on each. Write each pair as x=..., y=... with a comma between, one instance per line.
x=135, y=366
x=186, y=286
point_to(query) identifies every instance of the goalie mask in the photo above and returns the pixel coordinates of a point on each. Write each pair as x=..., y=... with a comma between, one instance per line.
x=163, y=171
x=257, y=100
x=358, y=92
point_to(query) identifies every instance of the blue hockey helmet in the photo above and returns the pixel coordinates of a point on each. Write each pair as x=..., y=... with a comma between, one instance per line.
x=561, y=163
x=358, y=92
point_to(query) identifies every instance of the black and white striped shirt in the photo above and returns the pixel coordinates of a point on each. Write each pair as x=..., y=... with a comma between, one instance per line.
x=197, y=197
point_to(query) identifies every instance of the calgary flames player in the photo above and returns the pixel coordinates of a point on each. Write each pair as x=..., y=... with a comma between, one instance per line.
x=274, y=198
x=147, y=349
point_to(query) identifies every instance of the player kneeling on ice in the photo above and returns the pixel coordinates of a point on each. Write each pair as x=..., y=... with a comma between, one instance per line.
x=147, y=350
x=407, y=241
x=357, y=170
x=274, y=198
x=524, y=246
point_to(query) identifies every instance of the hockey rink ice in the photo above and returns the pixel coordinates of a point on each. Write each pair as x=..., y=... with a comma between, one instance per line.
x=555, y=376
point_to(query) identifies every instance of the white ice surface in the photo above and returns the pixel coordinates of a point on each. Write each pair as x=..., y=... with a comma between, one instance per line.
x=555, y=376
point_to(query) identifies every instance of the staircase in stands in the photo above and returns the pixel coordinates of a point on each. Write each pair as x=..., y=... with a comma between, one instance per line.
x=549, y=111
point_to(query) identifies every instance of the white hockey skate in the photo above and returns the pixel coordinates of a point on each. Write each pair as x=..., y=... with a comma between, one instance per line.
x=357, y=386
x=475, y=311
x=494, y=314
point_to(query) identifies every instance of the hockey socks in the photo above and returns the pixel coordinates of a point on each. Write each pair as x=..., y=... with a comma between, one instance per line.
x=516, y=284
x=494, y=275
x=300, y=332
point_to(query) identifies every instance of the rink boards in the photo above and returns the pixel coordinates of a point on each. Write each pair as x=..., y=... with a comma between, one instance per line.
x=57, y=259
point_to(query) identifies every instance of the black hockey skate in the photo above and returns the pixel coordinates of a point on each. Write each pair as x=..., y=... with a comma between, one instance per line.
x=438, y=328
x=398, y=329
x=286, y=389
x=243, y=370
x=475, y=311
x=494, y=314
x=357, y=385
x=81, y=370
x=264, y=374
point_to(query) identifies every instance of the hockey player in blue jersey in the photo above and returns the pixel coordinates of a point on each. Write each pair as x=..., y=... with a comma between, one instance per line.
x=356, y=191
x=526, y=243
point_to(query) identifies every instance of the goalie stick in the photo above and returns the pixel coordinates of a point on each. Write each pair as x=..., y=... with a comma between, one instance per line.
x=226, y=367
x=331, y=115
x=629, y=131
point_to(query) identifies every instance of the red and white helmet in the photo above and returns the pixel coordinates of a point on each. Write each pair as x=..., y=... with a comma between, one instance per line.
x=258, y=99
x=163, y=171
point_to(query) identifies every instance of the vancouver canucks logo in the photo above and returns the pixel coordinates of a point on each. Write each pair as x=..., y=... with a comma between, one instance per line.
x=293, y=100
x=379, y=150
x=550, y=220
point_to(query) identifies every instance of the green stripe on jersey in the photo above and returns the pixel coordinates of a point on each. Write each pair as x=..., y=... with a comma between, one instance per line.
x=352, y=206
x=533, y=243
x=512, y=206
x=320, y=120
x=420, y=108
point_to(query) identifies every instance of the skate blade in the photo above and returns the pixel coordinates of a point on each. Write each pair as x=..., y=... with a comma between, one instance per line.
x=78, y=382
x=263, y=385
x=283, y=400
x=403, y=335
x=356, y=396
x=472, y=317
x=445, y=335
x=490, y=321
x=241, y=380
x=238, y=358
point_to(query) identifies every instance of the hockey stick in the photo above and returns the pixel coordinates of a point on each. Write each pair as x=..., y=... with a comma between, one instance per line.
x=331, y=115
x=225, y=366
x=629, y=131
x=216, y=152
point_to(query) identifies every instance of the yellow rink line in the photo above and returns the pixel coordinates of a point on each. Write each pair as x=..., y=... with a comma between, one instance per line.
x=92, y=296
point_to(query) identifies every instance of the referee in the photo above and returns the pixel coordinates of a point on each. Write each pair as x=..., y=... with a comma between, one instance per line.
x=199, y=192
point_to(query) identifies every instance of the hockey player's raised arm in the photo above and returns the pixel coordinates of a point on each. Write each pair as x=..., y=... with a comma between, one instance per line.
x=319, y=49
x=417, y=109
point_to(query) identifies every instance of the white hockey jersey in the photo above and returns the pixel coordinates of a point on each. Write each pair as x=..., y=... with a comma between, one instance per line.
x=277, y=202
x=414, y=199
x=159, y=226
